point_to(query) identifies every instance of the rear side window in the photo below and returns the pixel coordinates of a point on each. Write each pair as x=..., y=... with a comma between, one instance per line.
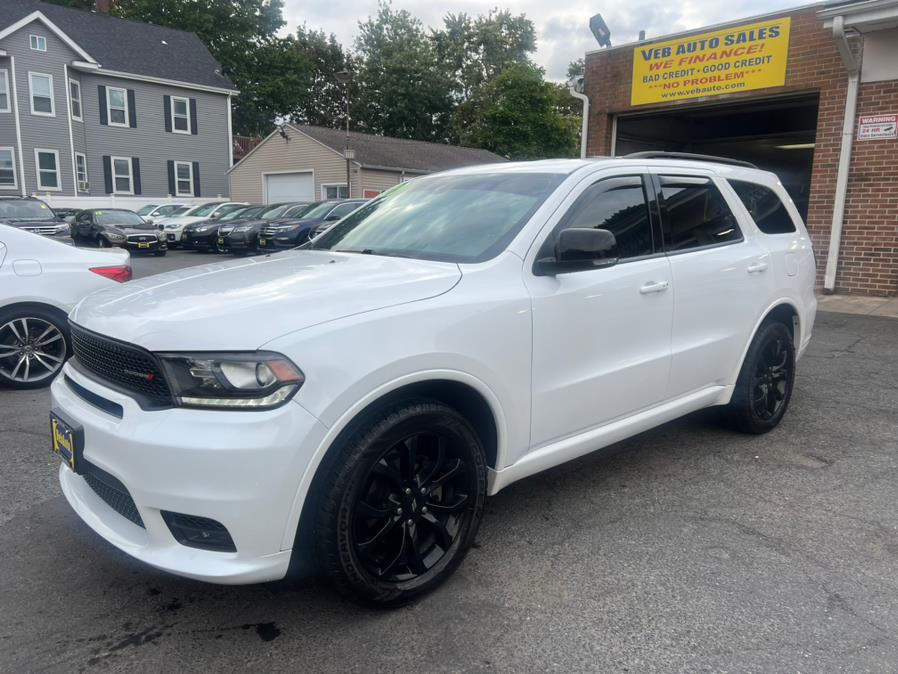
x=765, y=207
x=617, y=204
x=695, y=214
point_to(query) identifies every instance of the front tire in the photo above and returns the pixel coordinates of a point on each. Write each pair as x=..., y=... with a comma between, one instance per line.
x=402, y=504
x=764, y=387
x=34, y=343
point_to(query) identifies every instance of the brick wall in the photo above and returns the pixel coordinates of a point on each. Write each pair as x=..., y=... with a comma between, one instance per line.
x=870, y=242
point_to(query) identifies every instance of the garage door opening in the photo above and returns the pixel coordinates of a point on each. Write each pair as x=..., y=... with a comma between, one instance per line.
x=777, y=135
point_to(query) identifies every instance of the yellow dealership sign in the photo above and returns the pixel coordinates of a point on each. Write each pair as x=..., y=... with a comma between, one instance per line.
x=742, y=58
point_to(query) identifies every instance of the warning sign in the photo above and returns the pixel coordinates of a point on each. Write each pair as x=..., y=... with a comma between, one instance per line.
x=742, y=58
x=877, y=127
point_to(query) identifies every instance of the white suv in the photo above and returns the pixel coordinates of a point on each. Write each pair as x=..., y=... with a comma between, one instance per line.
x=357, y=400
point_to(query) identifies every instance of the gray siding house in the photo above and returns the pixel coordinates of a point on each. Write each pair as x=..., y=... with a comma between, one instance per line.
x=96, y=106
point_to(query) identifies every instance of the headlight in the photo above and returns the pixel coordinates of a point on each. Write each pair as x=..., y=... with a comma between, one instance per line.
x=112, y=236
x=171, y=226
x=202, y=230
x=61, y=229
x=258, y=380
x=160, y=236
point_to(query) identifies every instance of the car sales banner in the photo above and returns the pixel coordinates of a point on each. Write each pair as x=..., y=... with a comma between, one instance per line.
x=741, y=58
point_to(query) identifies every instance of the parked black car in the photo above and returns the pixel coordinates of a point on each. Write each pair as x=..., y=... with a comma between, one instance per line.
x=203, y=235
x=106, y=227
x=244, y=236
x=289, y=234
x=32, y=215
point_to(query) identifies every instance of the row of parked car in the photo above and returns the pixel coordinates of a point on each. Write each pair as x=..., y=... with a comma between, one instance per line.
x=237, y=227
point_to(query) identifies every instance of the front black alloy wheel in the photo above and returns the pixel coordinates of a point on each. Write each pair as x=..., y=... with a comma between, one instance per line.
x=764, y=387
x=403, y=503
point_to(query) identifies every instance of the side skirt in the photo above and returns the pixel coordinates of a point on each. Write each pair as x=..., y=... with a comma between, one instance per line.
x=594, y=439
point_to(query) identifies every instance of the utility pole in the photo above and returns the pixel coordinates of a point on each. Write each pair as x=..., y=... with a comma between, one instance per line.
x=345, y=78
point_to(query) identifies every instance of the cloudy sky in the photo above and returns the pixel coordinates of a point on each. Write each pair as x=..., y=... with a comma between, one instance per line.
x=561, y=25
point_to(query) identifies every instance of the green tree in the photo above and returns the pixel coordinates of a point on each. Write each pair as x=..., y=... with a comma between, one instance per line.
x=401, y=89
x=474, y=50
x=576, y=69
x=519, y=115
x=242, y=35
x=323, y=102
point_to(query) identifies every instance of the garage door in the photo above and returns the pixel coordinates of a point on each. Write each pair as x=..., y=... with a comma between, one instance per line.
x=289, y=187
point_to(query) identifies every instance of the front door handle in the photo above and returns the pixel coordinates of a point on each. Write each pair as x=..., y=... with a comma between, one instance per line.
x=654, y=287
x=757, y=267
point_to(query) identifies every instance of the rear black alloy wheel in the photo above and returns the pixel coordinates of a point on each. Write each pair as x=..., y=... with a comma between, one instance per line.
x=33, y=348
x=764, y=387
x=403, y=504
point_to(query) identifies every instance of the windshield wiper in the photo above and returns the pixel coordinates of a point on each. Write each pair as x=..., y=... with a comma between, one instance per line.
x=363, y=251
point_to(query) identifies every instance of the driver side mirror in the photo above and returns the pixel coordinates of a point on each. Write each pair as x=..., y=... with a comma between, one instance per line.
x=580, y=249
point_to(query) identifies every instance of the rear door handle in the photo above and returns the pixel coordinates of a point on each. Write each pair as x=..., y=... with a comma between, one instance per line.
x=654, y=287
x=757, y=267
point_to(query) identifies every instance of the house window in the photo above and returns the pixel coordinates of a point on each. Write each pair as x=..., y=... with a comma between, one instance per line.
x=180, y=114
x=117, y=106
x=184, y=179
x=42, y=101
x=75, y=96
x=81, y=172
x=122, y=179
x=47, y=168
x=335, y=191
x=7, y=169
x=4, y=90
x=38, y=42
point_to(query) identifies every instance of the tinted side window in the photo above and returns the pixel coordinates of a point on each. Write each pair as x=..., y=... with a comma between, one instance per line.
x=696, y=214
x=617, y=204
x=765, y=207
x=343, y=210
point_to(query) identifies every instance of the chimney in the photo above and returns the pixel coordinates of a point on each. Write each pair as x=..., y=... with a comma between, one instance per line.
x=103, y=6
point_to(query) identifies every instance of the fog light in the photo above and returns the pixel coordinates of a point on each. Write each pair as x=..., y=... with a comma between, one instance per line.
x=199, y=532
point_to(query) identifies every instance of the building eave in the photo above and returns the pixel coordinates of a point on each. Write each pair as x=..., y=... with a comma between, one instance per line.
x=100, y=70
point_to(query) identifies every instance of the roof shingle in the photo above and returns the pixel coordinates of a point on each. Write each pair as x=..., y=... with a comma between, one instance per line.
x=398, y=153
x=128, y=46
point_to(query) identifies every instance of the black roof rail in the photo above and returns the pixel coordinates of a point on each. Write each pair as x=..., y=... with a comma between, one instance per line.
x=660, y=154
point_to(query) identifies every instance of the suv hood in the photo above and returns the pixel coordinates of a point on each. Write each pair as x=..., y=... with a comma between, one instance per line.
x=242, y=304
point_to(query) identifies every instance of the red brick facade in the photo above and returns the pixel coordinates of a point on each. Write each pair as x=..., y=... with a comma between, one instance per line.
x=869, y=254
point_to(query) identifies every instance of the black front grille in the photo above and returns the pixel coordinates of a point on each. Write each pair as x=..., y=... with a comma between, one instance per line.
x=125, y=367
x=113, y=493
x=141, y=238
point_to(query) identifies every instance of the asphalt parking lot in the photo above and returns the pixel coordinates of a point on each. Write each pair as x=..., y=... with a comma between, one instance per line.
x=688, y=548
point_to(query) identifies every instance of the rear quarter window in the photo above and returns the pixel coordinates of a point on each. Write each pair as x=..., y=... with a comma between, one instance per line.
x=765, y=207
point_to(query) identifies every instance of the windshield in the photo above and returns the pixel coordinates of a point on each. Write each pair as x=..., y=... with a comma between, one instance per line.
x=121, y=219
x=453, y=218
x=203, y=210
x=25, y=209
x=170, y=209
x=298, y=211
x=241, y=213
x=276, y=211
x=320, y=210
x=180, y=210
x=146, y=210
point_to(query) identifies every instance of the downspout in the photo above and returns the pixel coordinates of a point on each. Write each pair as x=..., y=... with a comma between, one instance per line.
x=852, y=64
x=572, y=87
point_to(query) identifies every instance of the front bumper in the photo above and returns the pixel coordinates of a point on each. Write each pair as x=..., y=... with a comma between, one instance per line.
x=278, y=241
x=199, y=241
x=144, y=246
x=241, y=469
x=240, y=241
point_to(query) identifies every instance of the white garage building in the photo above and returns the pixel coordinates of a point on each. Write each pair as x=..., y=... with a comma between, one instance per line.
x=295, y=163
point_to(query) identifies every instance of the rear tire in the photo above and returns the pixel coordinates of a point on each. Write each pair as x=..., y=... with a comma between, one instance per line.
x=764, y=387
x=402, y=503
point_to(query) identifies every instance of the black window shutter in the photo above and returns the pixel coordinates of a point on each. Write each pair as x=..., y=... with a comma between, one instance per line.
x=193, y=128
x=196, y=179
x=132, y=109
x=104, y=119
x=135, y=174
x=171, y=176
x=107, y=172
x=167, y=101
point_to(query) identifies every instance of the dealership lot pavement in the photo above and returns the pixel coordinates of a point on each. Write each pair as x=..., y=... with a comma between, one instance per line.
x=689, y=548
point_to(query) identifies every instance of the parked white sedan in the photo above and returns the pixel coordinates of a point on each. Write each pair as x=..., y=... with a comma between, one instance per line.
x=40, y=281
